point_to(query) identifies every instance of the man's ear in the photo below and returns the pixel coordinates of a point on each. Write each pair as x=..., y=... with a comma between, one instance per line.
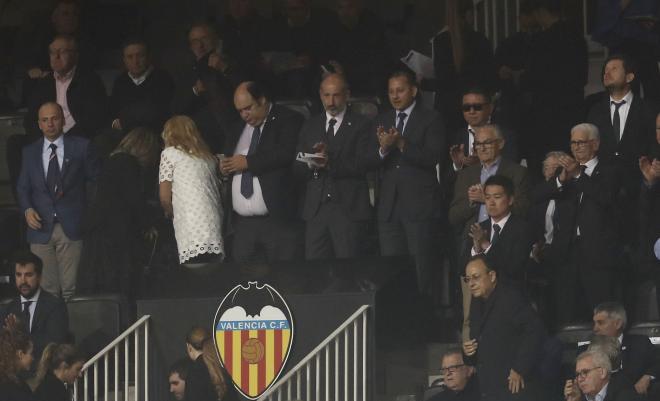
x=630, y=77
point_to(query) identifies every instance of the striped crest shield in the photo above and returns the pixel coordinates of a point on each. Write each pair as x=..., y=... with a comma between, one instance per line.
x=253, y=330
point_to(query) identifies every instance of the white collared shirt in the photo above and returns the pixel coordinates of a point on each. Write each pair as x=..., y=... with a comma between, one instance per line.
x=601, y=394
x=33, y=306
x=45, y=153
x=623, y=111
x=139, y=80
x=62, y=83
x=255, y=205
x=500, y=223
x=408, y=111
x=339, y=118
x=549, y=223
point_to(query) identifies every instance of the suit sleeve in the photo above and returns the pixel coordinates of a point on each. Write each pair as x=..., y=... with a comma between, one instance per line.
x=429, y=151
x=283, y=153
x=521, y=184
x=530, y=341
x=460, y=209
x=24, y=186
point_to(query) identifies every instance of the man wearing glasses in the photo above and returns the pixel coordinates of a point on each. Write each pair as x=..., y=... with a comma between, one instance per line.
x=592, y=381
x=460, y=380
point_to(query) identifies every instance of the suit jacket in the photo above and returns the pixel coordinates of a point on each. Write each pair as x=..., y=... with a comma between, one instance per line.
x=510, y=336
x=50, y=322
x=410, y=176
x=272, y=162
x=78, y=172
x=345, y=176
x=462, y=214
x=597, y=215
x=510, y=253
x=86, y=98
x=638, y=357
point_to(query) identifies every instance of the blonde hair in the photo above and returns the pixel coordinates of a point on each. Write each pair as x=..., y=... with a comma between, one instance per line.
x=181, y=132
x=56, y=354
x=141, y=143
x=210, y=356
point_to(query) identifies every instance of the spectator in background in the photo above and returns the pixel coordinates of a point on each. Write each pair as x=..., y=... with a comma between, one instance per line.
x=462, y=58
x=59, y=368
x=141, y=96
x=205, y=381
x=68, y=167
x=43, y=316
x=460, y=380
x=189, y=192
x=119, y=216
x=16, y=357
x=177, y=376
x=220, y=379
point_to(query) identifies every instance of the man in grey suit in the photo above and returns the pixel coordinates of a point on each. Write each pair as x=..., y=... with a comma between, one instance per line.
x=336, y=205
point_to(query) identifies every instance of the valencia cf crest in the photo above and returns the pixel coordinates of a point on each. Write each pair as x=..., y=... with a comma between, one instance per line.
x=253, y=335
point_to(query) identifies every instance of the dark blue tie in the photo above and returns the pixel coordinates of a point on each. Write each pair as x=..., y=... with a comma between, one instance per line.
x=616, y=120
x=53, y=174
x=247, y=188
x=496, y=233
x=402, y=119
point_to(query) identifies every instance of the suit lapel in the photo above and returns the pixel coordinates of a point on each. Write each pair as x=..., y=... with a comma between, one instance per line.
x=342, y=132
x=38, y=155
x=412, y=123
x=270, y=120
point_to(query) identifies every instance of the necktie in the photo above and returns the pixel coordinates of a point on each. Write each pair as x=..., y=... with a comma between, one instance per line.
x=470, y=149
x=247, y=188
x=26, y=314
x=53, y=173
x=331, y=128
x=496, y=233
x=402, y=118
x=616, y=121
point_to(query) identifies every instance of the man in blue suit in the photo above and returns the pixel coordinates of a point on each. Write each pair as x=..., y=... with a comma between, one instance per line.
x=55, y=176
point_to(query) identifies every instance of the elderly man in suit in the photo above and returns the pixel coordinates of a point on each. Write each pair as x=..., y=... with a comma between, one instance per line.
x=407, y=144
x=261, y=150
x=57, y=173
x=506, y=336
x=336, y=204
x=43, y=315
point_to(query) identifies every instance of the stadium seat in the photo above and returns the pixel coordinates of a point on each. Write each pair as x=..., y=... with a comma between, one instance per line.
x=649, y=329
x=96, y=320
x=366, y=106
x=302, y=106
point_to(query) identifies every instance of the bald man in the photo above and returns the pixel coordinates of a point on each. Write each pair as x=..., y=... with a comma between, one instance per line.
x=56, y=173
x=260, y=151
x=336, y=204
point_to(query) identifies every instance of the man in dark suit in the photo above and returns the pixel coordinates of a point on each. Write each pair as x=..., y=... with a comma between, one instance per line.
x=56, y=173
x=337, y=197
x=408, y=144
x=260, y=152
x=461, y=383
x=78, y=91
x=43, y=315
x=592, y=380
x=506, y=336
x=585, y=245
x=639, y=359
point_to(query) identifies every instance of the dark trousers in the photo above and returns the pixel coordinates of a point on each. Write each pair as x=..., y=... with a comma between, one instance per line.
x=331, y=233
x=277, y=238
x=401, y=236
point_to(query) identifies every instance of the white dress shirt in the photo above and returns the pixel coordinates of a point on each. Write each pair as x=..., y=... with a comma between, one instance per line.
x=339, y=118
x=45, y=153
x=139, y=80
x=623, y=111
x=62, y=83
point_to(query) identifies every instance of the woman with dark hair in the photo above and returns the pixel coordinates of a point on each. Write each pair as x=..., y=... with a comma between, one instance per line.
x=119, y=216
x=15, y=358
x=59, y=367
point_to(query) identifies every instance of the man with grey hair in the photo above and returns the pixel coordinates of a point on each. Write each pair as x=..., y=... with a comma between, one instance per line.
x=586, y=244
x=593, y=380
x=460, y=380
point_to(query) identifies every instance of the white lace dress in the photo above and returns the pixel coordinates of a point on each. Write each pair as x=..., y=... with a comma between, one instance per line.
x=196, y=202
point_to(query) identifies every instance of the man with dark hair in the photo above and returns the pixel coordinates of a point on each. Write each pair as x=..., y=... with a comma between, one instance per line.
x=260, y=152
x=506, y=336
x=407, y=144
x=177, y=375
x=43, y=315
x=461, y=382
x=336, y=206
x=141, y=96
x=78, y=91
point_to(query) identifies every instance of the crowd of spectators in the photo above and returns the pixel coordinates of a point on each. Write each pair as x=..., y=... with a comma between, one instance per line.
x=533, y=194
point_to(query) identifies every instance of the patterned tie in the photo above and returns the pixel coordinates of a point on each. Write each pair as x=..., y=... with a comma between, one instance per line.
x=402, y=119
x=496, y=233
x=26, y=314
x=53, y=174
x=616, y=121
x=247, y=188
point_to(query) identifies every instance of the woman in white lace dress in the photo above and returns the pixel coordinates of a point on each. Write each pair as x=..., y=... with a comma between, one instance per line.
x=189, y=191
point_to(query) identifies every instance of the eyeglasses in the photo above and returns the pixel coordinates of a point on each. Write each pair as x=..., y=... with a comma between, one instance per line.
x=468, y=279
x=473, y=106
x=451, y=369
x=485, y=144
x=580, y=143
x=584, y=372
x=60, y=52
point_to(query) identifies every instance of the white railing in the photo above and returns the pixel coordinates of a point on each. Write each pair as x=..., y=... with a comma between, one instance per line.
x=340, y=359
x=111, y=388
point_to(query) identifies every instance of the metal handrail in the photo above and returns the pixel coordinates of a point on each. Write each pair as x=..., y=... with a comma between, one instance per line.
x=116, y=341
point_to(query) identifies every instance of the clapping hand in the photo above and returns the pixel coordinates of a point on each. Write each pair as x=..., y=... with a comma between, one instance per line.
x=478, y=235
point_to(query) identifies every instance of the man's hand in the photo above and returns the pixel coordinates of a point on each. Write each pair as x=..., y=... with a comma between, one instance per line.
x=478, y=235
x=33, y=219
x=470, y=347
x=457, y=154
x=650, y=169
x=234, y=164
x=537, y=251
x=571, y=168
x=36, y=73
x=387, y=139
x=476, y=194
x=516, y=382
x=320, y=150
x=116, y=124
x=642, y=385
x=216, y=62
x=572, y=391
x=199, y=87
x=11, y=322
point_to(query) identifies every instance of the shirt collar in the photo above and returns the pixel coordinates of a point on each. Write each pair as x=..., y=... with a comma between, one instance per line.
x=66, y=77
x=502, y=221
x=495, y=164
x=34, y=298
x=339, y=117
x=591, y=165
x=59, y=142
x=139, y=80
x=628, y=98
x=601, y=394
x=408, y=110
